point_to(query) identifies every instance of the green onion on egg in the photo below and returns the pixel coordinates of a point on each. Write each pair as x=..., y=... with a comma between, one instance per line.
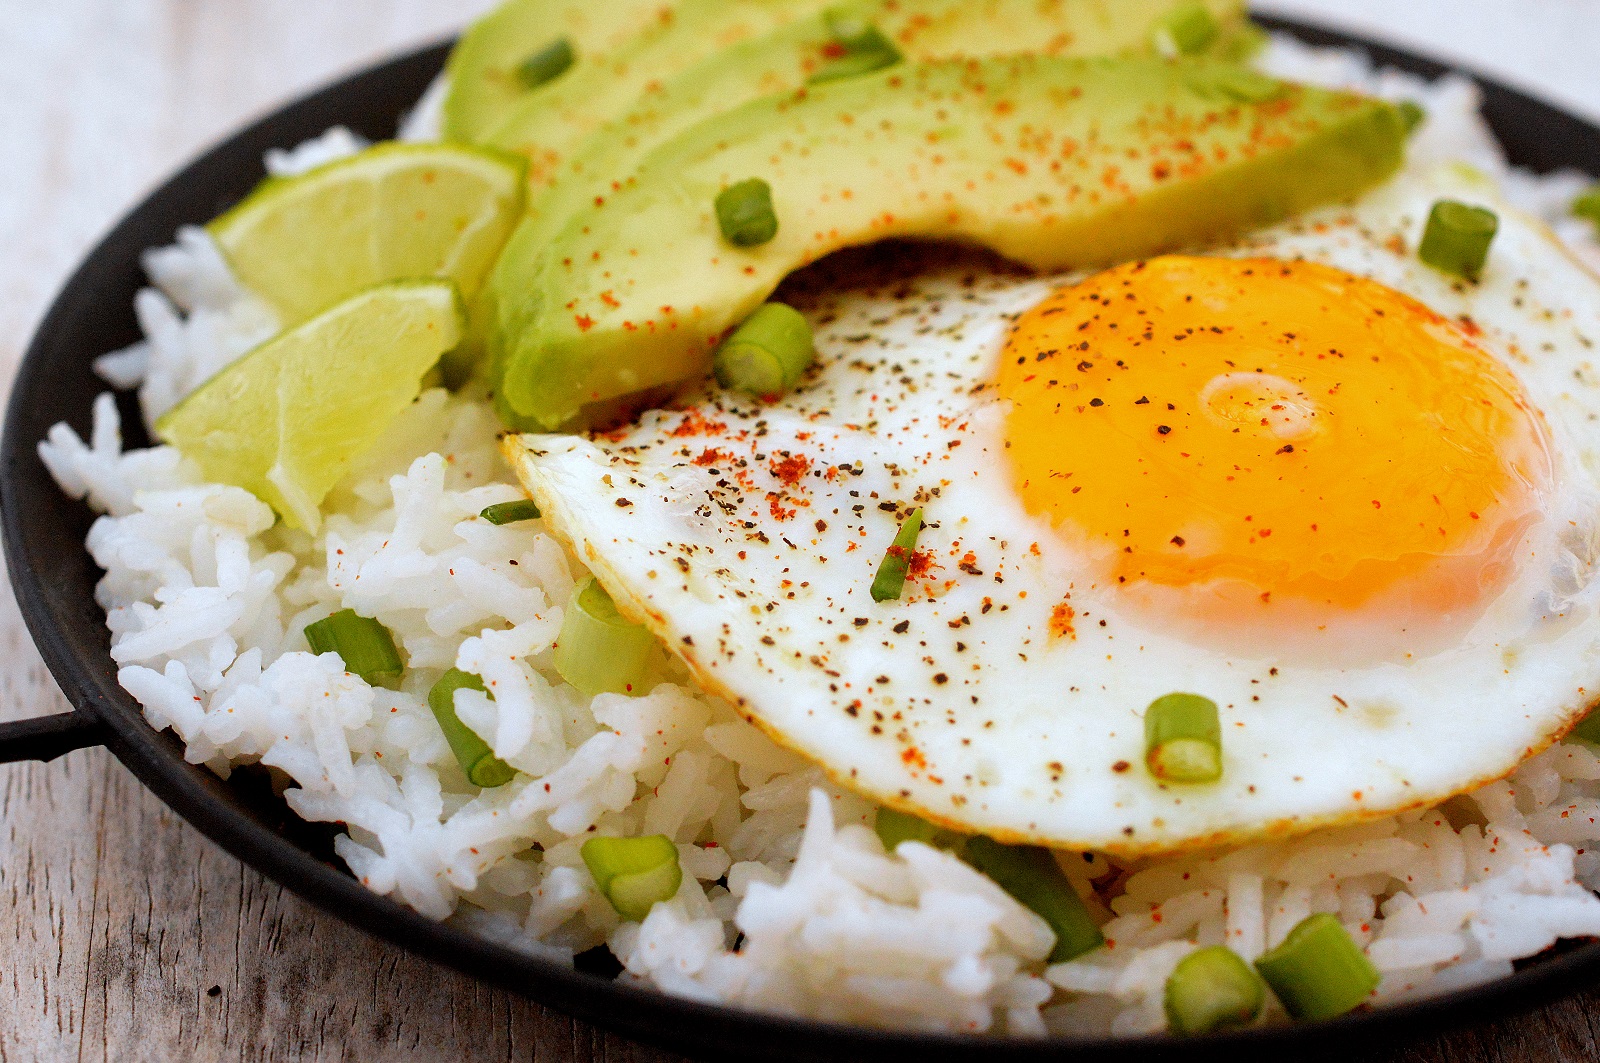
x=1457, y=237
x=768, y=354
x=891, y=578
x=1183, y=739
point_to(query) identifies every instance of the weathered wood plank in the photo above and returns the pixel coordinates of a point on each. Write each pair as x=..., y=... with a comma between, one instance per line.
x=126, y=935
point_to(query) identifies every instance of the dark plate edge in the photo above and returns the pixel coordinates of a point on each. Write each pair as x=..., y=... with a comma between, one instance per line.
x=723, y=1033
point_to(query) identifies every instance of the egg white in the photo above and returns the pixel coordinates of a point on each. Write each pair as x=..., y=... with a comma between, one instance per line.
x=968, y=701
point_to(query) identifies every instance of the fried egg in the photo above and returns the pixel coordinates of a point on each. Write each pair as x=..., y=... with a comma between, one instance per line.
x=1352, y=501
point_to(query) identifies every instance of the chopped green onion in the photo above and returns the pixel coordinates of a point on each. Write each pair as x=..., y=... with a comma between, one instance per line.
x=894, y=827
x=598, y=651
x=483, y=768
x=1319, y=971
x=1457, y=237
x=768, y=354
x=1183, y=739
x=365, y=646
x=859, y=48
x=1033, y=878
x=1028, y=873
x=1588, y=728
x=891, y=578
x=1412, y=114
x=1212, y=989
x=1188, y=29
x=745, y=213
x=634, y=873
x=547, y=64
x=510, y=512
x=1587, y=205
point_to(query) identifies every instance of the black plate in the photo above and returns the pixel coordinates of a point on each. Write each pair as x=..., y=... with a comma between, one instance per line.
x=54, y=579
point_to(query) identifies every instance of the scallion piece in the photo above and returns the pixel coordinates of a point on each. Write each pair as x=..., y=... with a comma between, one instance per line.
x=745, y=213
x=634, y=873
x=547, y=64
x=859, y=47
x=1183, y=739
x=1587, y=205
x=1033, y=878
x=483, y=768
x=1188, y=29
x=1212, y=989
x=1412, y=114
x=510, y=512
x=894, y=827
x=768, y=354
x=1319, y=971
x=1457, y=237
x=598, y=651
x=1028, y=873
x=365, y=646
x=891, y=578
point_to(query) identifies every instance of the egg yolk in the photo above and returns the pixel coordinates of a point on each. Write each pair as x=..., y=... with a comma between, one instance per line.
x=1248, y=434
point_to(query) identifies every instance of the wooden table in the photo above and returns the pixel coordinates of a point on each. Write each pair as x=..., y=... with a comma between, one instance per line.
x=124, y=934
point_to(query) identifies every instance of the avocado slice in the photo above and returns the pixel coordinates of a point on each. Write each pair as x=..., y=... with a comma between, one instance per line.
x=483, y=69
x=787, y=57
x=1056, y=163
x=548, y=124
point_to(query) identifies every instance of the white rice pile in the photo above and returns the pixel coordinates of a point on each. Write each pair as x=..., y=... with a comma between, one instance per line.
x=206, y=598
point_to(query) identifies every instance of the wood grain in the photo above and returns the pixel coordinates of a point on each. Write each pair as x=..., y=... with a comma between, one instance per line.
x=124, y=934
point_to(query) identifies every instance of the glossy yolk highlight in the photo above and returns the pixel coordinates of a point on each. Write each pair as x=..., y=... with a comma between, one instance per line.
x=1267, y=432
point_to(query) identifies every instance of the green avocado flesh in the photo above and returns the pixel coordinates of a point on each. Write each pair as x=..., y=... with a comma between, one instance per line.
x=574, y=174
x=1057, y=163
x=786, y=58
x=548, y=124
x=483, y=72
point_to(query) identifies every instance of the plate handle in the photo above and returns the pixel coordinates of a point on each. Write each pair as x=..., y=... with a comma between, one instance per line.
x=47, y=737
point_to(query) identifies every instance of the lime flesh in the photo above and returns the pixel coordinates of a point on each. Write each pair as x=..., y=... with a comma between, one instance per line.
x=285, y=421
x=392, y=212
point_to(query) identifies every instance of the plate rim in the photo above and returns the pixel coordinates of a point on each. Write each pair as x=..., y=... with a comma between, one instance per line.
x=647, y=1014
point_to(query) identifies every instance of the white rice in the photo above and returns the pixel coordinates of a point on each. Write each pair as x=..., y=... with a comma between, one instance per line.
x=206, y=598
x=336, y=143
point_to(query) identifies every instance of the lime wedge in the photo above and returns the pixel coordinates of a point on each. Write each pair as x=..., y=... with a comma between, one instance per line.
x=285, y=421
x=393, y=212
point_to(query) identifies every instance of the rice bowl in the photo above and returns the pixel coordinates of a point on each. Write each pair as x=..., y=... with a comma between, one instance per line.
x=411, y=510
